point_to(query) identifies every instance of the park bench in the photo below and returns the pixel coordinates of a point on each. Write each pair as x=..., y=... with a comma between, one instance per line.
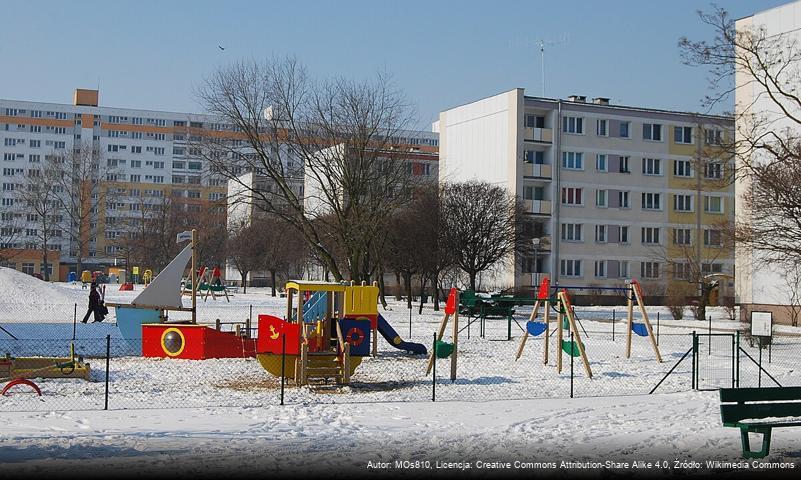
x=760, y=410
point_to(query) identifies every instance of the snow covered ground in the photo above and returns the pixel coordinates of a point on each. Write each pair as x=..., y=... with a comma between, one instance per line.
x=208, y=416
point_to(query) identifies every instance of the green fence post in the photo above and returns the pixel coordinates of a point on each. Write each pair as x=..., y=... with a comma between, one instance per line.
x=737, y=362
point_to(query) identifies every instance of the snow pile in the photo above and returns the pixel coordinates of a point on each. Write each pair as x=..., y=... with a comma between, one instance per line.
x=26, y=298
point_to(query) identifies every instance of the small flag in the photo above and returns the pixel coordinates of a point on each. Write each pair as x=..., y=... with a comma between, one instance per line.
x=183, y=236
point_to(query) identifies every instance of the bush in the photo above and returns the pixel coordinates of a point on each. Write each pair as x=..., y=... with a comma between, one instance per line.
x=676, y=298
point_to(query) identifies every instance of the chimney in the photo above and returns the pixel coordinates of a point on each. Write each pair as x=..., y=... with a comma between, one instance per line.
x=577, y=98
x=600, y=101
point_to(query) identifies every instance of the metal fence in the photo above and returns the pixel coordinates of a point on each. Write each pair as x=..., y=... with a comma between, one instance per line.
x=486, y=369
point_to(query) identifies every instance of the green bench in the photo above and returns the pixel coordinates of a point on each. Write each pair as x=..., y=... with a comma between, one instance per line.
x=760, y=410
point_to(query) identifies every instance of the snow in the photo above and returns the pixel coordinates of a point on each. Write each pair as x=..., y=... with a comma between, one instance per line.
x=204, y=417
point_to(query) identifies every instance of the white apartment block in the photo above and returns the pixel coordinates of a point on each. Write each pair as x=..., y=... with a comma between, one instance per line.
x=764, y=287
x=617, y=192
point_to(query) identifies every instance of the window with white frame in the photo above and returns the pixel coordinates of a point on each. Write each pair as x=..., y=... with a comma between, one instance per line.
x=682, y=168
x=683, y=203
x=600, y=198
x=683, y=135
x=573, y=160
x=601, y=128
x=623, y=199
x=600, y=268
x=713, y=204
x=681, y=271
x=713, y=238
x=571, y=232
x=713, y=136
x=651, y=166
x=708, y=268
x=649, y=269
x=652, y=131
x=624, y=129
x=650, y=235
x=624, y=165
x=624, y=234
x=623, y=269
x=682, y=236
x=600, y=233
x=573, y=125
x=570, y=267
x=713, y=170
x=600, y=162
x=651, y=201
x=572, y=196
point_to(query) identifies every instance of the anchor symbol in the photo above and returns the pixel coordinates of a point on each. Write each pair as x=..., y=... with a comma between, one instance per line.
x=274, y=335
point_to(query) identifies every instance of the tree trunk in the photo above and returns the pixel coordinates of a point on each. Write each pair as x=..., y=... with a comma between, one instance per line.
x=45, y=273
x=272, y=279
x=472, y=280
x=398, y=288
x=382, y=289
x=422, y=292
x=244, y=281
x=407, y=277
x=435, y=287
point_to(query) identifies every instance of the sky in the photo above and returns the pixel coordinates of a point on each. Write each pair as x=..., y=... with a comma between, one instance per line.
x=154, y=54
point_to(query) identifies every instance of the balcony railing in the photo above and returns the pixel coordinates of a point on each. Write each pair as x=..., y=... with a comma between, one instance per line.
x=535, y=170
x=540, y=207
x=538, y=134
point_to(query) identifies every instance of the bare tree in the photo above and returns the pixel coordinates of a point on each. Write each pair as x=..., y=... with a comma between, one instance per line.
x=768, y=151
x=792, y=280
x=39, y=195
x=341, y=135
x=245, y=248
x=482, y=226
x=81, y=172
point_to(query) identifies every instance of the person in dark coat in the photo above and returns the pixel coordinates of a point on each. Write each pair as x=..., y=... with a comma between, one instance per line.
x=95, y=306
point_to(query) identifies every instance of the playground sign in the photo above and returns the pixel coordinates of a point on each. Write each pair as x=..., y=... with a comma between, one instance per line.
x=761, y=324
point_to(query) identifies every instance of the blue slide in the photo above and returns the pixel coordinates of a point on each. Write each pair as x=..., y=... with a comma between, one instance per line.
x=391, y=336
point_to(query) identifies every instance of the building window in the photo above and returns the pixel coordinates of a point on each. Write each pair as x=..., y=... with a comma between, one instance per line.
x=713, y=136
x=651, y=166
x=573, y=160
x=624, y=129
x=572, y=196
x=570, y=268
x=681, y=271
x=600, y=198
x=535, y=157
x=623, y=199
x=682, y=236
x=683, y=135
x=535, y=121
x=649, y=269
x=624, y=165
x=600, y=268
x=682, y=168
x=571, y=232
x=650, y=235
x=713, y=238
x=601, y=128
x=683, y=203
x=600, y=233
x=652, y=131
x=713, y=204
x=624, y=234
x=28, y=268
x=708, y=268
x=573, y=125
x=713, y=170
x=600, y=162
x=651, y=201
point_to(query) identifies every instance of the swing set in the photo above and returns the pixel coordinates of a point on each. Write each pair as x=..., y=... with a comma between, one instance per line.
x=566, y=320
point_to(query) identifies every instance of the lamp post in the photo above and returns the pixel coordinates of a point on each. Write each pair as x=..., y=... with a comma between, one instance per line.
x=536, y=243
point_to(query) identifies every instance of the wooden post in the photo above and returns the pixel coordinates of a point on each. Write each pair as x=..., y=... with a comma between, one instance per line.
x=194, y=279
x=455, y=339
x=636, y=289
x=304, y=359
x=442, y=327
x=531, y=318
x=547, y=319
x=559, y=335
x=576, y=336
x=346, y=364
x=289, y=305
x=629, y=319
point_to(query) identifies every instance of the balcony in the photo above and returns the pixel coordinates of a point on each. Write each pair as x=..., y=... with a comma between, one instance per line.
x=531, y=134
x=538, y=207
x=536, y=170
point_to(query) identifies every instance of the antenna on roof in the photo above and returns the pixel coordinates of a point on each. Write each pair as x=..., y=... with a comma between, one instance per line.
x=563, y=40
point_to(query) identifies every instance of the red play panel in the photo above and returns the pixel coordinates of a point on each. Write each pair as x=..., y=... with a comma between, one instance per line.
x=194, y=342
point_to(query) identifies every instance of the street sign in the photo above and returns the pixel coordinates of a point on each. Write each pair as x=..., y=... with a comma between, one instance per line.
x=761, y=324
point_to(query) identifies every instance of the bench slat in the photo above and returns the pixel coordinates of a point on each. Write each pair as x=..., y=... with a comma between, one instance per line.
x=756, y=426
x=759, y=394
x=733, y=413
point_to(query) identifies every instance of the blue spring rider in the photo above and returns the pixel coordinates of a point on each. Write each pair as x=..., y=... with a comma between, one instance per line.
x=535, y=328
x=639, y=329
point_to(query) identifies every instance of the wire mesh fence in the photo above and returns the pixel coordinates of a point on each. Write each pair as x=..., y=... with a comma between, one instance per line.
x=487, y=368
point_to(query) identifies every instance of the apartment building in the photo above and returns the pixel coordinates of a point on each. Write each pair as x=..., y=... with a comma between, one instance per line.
x=615, y=191
x=762, y=286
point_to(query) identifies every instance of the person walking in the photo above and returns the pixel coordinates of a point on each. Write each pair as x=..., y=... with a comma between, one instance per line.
x=94, y=305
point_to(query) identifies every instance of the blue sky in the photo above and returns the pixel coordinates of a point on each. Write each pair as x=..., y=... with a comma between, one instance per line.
x=152, y=54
